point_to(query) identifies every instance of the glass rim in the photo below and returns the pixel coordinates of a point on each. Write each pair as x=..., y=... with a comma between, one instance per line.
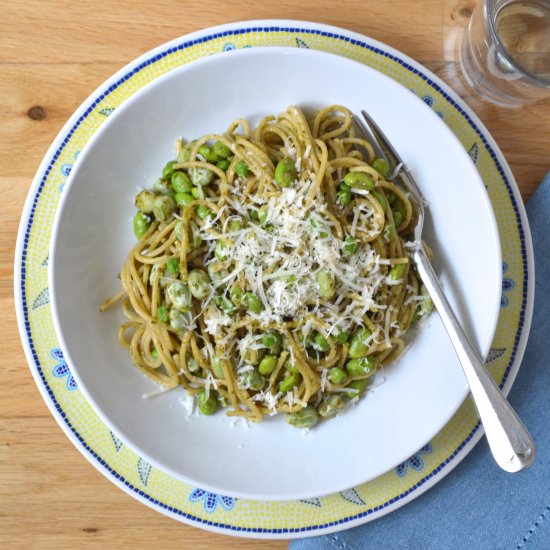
x=489, y=8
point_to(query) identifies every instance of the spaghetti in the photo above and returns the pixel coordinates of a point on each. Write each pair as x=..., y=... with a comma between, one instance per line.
x=271, y=272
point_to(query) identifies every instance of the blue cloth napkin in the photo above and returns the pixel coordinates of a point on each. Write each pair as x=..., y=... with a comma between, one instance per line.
x=478, y=506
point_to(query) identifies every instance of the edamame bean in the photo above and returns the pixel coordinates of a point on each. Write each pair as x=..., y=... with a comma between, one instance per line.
x=163, y=207
x=253, y=356
x=304, y=418
x=289, y=382
x=285, y=172
x=208, y=403
x=253, y=302
x=326, y=284
x=222, y=250
x=178, y=230
x=343, y=196
x=359, y=180
x=388, y=231
x=217, y=367
x=173, y=265
x=425, y=306
x=381, y=198
x=141, y=224
x=199, y=284
x=223, y=164
x=162, y=314
x=331, y=406
x=180, y=295
x=397, y=272
x=194, y=238
x=320, y=343
x=178, y=321
x=224, y=304
x=356, y=387
x=350, y=246
x=192, y=364
x=361, y=367
x=381, y=166
x=183, y=199
x=217, y=272
x=154, y=353
x=208, y=154
x=236, y=295
x=253, y=380
x=337, y=376
x=242, y=169
x=201, y=176
x=267, y=365
x=359, y=343
x=272, y=340
x=263, y=213
x=168, y=170
x=204, y=212
x=221, y=149
x=197, y=193
x=181, y=182
x=235, y=225
x=144, y=201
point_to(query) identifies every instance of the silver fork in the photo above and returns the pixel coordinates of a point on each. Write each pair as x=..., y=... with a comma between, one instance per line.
x=511, y=445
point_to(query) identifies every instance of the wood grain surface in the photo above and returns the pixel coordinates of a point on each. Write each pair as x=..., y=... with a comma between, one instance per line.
x=53, y=54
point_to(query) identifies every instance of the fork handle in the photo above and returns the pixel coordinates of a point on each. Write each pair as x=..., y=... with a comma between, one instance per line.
x=511, y=445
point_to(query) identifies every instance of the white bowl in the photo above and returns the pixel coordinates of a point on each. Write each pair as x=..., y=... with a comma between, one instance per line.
x=93, y=233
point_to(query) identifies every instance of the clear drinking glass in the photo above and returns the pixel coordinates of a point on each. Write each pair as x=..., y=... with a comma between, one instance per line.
x=504, y=53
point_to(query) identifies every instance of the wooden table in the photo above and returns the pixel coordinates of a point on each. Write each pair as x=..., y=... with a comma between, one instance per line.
x=52, y=55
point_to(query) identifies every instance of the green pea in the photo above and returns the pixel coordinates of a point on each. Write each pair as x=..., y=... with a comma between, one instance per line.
x=357, y=387
x=361, y=367
x=223, y=164
x=253, y=302
x=197, y=193
x=222, y=250
x=208, y=153
x=162, y=314
x=359, y=180
x=194, y=236
x=163, y=207
x=343, y=196
x=289, y=382
x=263, y=213
x=201, y=176
x=162, y=186
x=199, y=284
x=381, y=166
x=350, y=246
x=253, y=380
x=178, y=321
x=168, y=170
x=173, y=265
x=217, y=367
x=242, y=169
x=381, y=198
x=285, y=172
x=342, y=337
x=183, y=199
x=272, y=340
x=180, y=295
x=397, y=272
x=221, y=149
x=331, y=406
x=236, y=295
x=192, y=364
x=144, y=201
x=326, y=284
x=208, y=403
x=224, y=304
x=141, y=224
x=359, y=343
x=320, y=343
x=337, y=376
x=181, y=182
x=253, y=356
x=267, y=365
x=304, y=418
x=204, y=212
